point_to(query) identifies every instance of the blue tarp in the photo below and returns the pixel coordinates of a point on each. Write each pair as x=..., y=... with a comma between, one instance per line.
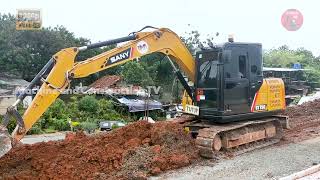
x=136, y=105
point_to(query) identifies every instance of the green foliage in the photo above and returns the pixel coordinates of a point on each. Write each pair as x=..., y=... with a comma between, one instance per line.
x=285, y=57
x=282, y=57
x=88, y=126
x=192, y=41
x=47, y=131
x=157, y=115
x=88, y=104
x=85, y=112
x=24, y=53
x=60, y=124
x=106, y=111
x=35, y=129
x=134, y=73
x=114, y=126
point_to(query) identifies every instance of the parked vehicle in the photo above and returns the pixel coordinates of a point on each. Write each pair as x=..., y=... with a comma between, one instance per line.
x=109, y=125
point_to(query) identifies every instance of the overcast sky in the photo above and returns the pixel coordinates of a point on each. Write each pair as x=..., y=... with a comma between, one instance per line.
x=248, y=20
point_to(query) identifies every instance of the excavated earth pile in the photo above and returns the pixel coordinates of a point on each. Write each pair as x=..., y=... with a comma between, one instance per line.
x=304, y=121
x=133, y=152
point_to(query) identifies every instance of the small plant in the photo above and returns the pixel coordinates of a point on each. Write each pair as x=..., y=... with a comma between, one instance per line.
x=50, y=130
x=114, y=126
x=88, y=126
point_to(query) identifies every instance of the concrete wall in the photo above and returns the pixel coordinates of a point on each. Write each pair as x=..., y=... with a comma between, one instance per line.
x=5, y=102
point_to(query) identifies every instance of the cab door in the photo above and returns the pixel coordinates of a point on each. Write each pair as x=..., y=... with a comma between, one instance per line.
x=208, y=82
x=236, y=74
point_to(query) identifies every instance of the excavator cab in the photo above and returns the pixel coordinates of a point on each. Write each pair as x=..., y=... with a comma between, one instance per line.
x=235, y=103
x=228, y=78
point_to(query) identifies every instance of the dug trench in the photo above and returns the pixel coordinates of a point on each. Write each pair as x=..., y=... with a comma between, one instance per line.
x=135, y=151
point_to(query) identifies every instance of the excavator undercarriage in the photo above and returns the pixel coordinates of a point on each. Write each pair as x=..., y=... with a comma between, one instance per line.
x=237, y=138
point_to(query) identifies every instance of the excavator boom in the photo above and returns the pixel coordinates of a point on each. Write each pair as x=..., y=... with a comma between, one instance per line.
x=62, y=68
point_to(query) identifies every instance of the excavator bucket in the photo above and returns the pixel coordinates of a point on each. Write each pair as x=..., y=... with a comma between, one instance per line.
x=5, y=141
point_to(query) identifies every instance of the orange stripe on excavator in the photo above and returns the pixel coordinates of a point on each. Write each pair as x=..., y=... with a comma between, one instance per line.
x=254, y=101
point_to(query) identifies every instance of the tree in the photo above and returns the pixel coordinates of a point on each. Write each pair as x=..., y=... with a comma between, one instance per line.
x=24, y=53
x=192, y=41
x=286, y=57
x=135, y=74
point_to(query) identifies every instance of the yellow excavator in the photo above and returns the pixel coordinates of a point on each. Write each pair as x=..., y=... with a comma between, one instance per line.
x=232, y=104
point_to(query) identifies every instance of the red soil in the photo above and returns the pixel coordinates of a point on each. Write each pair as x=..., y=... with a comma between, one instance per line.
x=133, y=152
x=304, y=121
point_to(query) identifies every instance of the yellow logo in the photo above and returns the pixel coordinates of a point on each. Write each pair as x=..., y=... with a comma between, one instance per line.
x=28, y=19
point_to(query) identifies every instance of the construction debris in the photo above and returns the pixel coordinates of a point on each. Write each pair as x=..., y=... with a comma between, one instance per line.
x=135, y=151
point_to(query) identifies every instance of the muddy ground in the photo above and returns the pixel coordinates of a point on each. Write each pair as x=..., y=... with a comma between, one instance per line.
x=133, y=152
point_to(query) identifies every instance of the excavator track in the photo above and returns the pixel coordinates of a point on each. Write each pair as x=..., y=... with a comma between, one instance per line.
x=237, y=138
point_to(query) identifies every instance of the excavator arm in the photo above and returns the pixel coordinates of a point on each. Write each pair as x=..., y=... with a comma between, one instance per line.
x=62, y=68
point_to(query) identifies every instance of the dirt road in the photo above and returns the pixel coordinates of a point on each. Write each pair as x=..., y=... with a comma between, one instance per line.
x=31, y=139
x=267, y=163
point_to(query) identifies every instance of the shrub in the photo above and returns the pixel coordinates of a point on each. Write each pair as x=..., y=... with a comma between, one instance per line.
x=88, y=126
x=60, y=124
x=58, y=109
x=89, y=104
x=35, y=129
x=49, y=130
x=87, y=112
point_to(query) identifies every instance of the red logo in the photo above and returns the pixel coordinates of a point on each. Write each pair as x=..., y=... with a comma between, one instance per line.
x=292, y=19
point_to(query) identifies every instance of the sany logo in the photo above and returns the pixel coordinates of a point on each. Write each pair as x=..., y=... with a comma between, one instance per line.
x=126, y=54
x=142, y=47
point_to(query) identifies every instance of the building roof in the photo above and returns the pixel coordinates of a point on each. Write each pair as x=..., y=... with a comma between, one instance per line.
x=13, y=81
x=105, y=82
x=282, y=69
x=138, y=105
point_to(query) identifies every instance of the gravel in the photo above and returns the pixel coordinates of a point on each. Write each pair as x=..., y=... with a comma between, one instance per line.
x=268, y=163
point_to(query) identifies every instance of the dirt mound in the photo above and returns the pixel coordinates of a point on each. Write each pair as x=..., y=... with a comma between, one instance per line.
x=306, y=109
x=304, y=121
x=133, y=152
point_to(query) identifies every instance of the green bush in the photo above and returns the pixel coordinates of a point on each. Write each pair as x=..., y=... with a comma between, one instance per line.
x=36, y=129
x=88, y=104
x=58, y=109
x=60, y=124
x=88, y=126
x=49, y=130
x=87, y=112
